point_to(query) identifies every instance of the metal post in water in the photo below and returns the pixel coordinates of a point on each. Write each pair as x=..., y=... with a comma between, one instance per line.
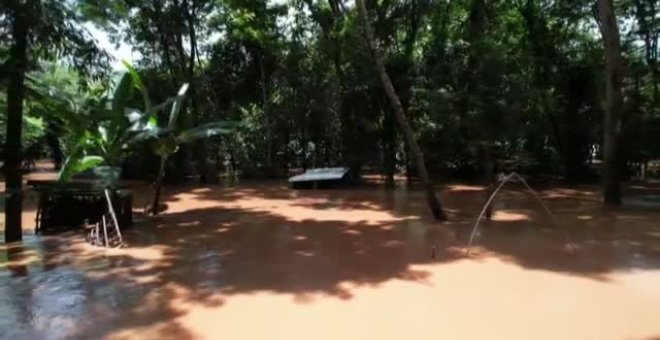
x=105, y=231
x=547, y=210
x=483, y=211
x=114, y=216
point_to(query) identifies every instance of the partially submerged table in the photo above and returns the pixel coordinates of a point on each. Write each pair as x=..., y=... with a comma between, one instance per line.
x=321, y=178
x=72, y=205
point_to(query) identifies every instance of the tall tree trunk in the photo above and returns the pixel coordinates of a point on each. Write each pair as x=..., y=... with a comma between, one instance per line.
x=389, y=148
x=200, y=147
x=476, y=32
x=157, y=6
x=305, y=142
x=185, y=153
x=177, y=36
x=15, y=91
x=408, y=166
x=614, y=102
x=266, y=112
x=431, y=198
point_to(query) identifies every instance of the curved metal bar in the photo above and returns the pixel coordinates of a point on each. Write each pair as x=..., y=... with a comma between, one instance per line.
x=538, y=199
x=547, y=210
x=483, y=211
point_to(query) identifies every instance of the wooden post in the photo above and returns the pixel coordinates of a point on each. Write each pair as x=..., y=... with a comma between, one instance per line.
x=15, y=93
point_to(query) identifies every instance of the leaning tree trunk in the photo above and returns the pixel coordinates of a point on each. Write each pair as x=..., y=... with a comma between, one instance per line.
x=431, y=198
x=15, y=90
x=614, y=102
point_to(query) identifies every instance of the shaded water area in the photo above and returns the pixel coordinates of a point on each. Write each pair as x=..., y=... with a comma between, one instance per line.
x=262, y=261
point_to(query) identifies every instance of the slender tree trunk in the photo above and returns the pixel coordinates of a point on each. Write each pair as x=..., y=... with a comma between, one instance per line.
x=614, y=102
x=476, y=32
x=409, y=169
x=185, y=153
x=389, y=149
x=163, y=42
x=304, y=160
x=178, y=43
x=15, y=91
x=232, y=163
x=431, y=198
x=285, y=166
x=264, y=99
x=158, y=187
x=654, y=79
x=203, y=169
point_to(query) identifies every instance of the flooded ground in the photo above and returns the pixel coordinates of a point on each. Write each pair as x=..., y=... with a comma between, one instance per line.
x=262, y=261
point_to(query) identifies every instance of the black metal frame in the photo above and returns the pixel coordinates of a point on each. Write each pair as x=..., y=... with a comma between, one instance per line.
x=64, y=206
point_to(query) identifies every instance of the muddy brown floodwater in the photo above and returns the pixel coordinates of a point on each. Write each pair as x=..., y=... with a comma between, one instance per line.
x=262, y=261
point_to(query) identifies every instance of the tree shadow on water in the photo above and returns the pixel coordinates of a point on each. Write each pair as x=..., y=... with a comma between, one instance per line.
x=216, y=243
x=204, y=256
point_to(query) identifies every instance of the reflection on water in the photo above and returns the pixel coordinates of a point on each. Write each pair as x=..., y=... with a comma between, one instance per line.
x=643, y=200
x=47, y=305
x=216, y=247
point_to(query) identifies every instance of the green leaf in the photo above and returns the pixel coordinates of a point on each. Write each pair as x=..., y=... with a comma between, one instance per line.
x=104, y=134
x=147, y=134
x=133, y=115
x=166, y=146
x=176, y=107
x=139, y=84
x=206, y=131
x=153, y=122
x=122, y=94
x=77, y=163
x=67, y=169
x=88, y=162
x=139, y=121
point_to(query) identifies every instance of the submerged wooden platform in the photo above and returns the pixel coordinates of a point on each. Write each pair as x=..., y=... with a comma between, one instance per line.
x=322, y=177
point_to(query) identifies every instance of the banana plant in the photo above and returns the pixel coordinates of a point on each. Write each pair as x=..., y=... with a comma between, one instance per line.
x=170, y=138
x=102, y=129
x=75, y=112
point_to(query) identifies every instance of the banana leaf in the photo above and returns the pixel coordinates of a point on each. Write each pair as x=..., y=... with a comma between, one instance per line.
x=176, y=106
x=122, y=94
x=206, y=131
x=139, y=84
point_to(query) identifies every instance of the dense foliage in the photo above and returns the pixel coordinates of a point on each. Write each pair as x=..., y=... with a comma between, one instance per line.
x=485, y=84
x=519, y=82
